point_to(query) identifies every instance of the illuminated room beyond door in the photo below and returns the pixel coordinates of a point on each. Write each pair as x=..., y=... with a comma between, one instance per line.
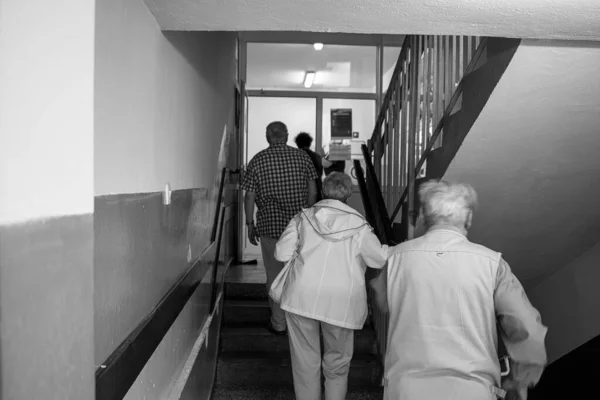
x=299, y=114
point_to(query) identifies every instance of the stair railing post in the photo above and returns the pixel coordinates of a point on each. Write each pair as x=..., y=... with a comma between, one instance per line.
x=413, y=129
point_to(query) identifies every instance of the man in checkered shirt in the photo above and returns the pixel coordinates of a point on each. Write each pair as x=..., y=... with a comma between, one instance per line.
x=280, y=180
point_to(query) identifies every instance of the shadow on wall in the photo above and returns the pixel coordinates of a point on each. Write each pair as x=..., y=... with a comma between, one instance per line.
x=206, y=212
x=195, y=47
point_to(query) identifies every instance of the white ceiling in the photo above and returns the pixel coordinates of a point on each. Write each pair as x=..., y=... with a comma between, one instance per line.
x=559, y=19
x=282, y=66
x=533, y=155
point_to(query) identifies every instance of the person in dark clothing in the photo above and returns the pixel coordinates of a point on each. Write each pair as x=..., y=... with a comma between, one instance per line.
x=304, y=141
x=333, y=166
x=336, y=166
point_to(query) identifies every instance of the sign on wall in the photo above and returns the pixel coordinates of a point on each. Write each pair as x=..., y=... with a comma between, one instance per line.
x=341, y=123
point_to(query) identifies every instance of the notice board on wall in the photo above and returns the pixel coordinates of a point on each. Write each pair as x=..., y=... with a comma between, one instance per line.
x=341, y=123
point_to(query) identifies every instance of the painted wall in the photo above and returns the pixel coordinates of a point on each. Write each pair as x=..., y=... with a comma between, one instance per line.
x=162, y=101
x=46, y=199
x=569, y=302
x=46, y=108
x=532, y=155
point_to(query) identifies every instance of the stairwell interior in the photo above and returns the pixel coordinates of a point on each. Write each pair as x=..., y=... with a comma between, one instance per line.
x=121, y=138
x=253, y=363
x=439, y=89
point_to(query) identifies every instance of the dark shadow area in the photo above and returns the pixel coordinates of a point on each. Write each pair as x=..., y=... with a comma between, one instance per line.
x=196, y=47
x=573, y=376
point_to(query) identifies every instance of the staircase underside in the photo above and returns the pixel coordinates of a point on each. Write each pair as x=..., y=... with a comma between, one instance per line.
x=533, y=155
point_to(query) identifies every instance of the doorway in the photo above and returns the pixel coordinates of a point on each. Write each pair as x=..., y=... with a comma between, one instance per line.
x=345, y=76
x=299, y=114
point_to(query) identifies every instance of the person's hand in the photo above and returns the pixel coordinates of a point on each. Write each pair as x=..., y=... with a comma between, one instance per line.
x=253, y=234
x=514, y=390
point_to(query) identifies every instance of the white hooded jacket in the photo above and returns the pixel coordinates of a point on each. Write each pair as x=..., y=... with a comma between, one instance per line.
x=333, y=244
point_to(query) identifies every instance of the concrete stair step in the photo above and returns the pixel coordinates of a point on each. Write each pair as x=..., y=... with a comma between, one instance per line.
x=284, y=393
x=237, y=291
x=274, y=369
x=247, y=310
x=254, y=336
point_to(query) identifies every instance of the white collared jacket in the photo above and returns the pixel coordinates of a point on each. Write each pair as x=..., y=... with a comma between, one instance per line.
x=332, y=245
x=445, y=296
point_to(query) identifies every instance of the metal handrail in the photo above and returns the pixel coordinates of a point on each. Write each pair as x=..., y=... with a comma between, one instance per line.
x=425, y=88
x=438, y=130
x=410, y=122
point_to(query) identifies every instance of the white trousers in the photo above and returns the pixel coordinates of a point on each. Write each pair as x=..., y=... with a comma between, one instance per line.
x=305, y=347
x=272, y=268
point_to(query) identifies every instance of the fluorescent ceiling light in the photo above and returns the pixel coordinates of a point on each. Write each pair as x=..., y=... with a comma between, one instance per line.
x=318, y=46
x=309, y=78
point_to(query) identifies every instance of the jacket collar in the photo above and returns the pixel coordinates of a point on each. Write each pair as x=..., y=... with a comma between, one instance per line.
x=338, y=205
x=447, y=228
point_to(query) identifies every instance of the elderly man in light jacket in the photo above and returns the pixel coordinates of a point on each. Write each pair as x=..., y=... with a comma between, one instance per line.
x=332, y=245
x=445, y=297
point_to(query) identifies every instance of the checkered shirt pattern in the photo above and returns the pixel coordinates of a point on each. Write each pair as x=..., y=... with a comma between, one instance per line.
x=279, y=176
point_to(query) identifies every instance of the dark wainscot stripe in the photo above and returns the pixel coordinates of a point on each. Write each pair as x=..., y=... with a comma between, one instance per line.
x=115, y=377
x=118, y=373
x=47, y=308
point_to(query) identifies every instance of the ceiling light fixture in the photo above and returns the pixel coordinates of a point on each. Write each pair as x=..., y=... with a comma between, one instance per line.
x=309, y=78
x=318, y=46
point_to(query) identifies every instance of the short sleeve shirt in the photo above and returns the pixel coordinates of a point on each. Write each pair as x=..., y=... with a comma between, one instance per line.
x=279, y=176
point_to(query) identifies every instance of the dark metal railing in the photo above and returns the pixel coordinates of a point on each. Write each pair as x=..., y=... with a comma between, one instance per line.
x=116, y=375
x=425, y=89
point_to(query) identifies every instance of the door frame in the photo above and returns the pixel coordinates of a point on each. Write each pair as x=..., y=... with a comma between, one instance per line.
x=319, y=96
x=377, y=41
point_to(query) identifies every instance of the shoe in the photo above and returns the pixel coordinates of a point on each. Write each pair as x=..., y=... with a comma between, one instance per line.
x=275, y=331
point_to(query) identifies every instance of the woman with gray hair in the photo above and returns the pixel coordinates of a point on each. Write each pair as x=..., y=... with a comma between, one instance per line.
x=331, y=245
x=446, y=295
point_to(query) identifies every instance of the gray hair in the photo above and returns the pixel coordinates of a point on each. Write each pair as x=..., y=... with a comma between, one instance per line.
x=337, y=186
x=277, y=132
x=447, y=203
